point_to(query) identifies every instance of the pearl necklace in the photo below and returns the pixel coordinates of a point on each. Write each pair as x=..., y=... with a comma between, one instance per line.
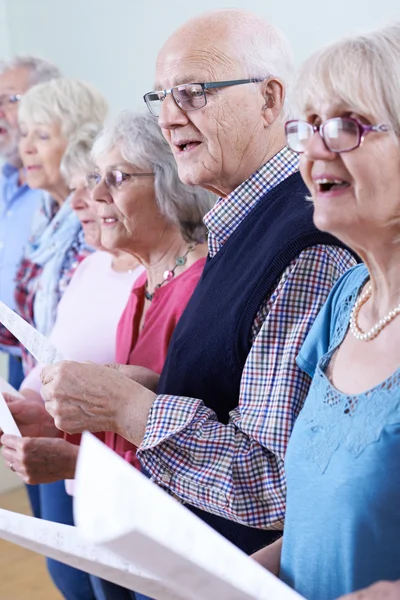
x=377, y=328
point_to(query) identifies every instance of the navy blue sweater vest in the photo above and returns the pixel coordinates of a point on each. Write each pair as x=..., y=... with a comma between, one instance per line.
x=212, y=340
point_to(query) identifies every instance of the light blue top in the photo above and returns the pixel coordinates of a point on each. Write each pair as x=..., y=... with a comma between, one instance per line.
x=18, y=203
x=342, y=527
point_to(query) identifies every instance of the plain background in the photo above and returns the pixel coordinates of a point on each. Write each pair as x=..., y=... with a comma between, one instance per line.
x=114, y=43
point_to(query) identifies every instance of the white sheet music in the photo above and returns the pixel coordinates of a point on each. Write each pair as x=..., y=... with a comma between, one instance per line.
x=64, y=543
x=118, y=507
x=7, y=422
x=9, y=389
x=36, y=343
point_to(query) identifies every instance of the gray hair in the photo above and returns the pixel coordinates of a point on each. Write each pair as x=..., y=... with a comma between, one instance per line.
x=69, y=102
x=142, y=144
x=77, y=158
x=40, y=69
x=362, y=70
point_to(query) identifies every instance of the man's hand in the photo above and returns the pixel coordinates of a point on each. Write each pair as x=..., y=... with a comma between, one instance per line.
x=383, y=590
x=40, y=460
x=270, y=557
x=95, y=398
x=31, y=417
x=147, y=378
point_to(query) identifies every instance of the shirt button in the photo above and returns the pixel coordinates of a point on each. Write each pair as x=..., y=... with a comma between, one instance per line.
x=166, y=477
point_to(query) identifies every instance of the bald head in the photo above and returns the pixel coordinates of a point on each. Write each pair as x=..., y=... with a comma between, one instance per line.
x=224, y=129
x=236, y=37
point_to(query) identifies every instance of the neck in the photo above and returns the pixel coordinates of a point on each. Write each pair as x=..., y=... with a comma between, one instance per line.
x=59, y=193
x=275, y=143
x=123, y=262
x=384, y=269
x=162, y=257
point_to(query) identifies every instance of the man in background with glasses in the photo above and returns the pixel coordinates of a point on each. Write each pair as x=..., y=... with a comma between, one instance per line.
x=18, y=202
x=215, y=432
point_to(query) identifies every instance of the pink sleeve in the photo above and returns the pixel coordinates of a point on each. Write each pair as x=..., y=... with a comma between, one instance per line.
x=32, y=381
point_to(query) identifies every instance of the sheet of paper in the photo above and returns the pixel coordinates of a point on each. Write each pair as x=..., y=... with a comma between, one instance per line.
x=117, y=506
x=9, y=389
x=34, y=342
x=64, y=543
x=7, y=422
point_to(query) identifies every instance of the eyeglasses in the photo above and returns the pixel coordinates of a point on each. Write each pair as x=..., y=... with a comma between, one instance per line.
x=188, y=96
x=9, y=101
x=340, y=134
x=112, y=179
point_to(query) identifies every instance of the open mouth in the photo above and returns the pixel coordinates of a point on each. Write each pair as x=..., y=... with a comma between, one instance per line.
x=108, y=220
x=187, y=146
x=329, y=185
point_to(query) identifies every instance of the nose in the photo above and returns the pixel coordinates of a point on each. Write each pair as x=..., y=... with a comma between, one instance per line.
x=101, y=193
x=318, y=150
x=79, y=199
x=26, y=145
x=171, y=116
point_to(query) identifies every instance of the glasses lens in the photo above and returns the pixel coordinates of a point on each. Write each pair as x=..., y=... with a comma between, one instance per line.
x=190, y=96
x=92, y=179
x=341, y=134
x=113, y=178
x=153, y=103
x=298, y=134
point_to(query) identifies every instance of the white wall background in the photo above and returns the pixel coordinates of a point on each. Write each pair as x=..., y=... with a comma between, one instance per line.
x=114, y=43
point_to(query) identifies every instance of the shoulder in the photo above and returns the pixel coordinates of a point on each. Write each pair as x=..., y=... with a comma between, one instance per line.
x=318, y=339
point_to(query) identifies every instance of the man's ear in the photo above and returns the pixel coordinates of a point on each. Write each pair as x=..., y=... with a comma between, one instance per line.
x=273, y=91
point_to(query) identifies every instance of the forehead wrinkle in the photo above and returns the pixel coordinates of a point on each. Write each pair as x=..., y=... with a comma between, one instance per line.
x=212, y=63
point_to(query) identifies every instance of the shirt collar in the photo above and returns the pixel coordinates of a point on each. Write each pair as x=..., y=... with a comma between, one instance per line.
x=9, y=170
x=228, y=212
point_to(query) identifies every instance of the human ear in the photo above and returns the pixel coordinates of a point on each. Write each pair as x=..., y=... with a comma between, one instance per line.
x=273, y=91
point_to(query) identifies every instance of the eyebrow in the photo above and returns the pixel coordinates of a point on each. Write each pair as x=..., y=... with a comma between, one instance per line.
x=182, y=80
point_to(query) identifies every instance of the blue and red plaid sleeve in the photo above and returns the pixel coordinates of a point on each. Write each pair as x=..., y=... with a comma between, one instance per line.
x=237, y=470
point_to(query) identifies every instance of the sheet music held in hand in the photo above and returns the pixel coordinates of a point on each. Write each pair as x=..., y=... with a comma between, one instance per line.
x=7, y=422
x=118, y=507
x=36, y=343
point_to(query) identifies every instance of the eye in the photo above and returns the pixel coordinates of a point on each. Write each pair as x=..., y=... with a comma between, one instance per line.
x=194, y=92
x=44, y=136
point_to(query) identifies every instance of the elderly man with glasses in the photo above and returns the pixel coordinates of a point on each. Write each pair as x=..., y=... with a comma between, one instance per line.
x=18, y=202
x=215, y=432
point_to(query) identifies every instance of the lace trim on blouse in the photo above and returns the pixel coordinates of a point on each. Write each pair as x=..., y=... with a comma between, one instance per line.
x=354, y=421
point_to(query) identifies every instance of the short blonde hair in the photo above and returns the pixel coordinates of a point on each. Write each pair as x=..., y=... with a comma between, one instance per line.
x=363, y=71
x=69, y=102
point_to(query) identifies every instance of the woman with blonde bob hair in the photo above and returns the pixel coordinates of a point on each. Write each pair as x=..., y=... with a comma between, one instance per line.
x=342, y=526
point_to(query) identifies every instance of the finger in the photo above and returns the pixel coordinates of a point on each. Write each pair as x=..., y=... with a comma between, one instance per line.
x=10, y=398
x=11, y=441
x=47, y=373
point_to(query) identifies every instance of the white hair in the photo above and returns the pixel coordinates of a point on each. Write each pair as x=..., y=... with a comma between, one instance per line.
x=142, y=144
x=362, y=70
x=40, y=70
x=69, y=102
x=77, y=158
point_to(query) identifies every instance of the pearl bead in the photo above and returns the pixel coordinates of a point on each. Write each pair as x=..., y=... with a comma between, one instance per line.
x=377, y=328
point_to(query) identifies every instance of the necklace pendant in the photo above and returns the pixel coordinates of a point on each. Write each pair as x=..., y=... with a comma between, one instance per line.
x=168, y=275
x=180, y=261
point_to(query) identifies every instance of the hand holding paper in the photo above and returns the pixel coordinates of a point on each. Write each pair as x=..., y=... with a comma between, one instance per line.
x=7, y=421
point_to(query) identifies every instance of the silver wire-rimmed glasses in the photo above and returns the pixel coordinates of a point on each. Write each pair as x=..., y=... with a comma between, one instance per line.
x=112, y=178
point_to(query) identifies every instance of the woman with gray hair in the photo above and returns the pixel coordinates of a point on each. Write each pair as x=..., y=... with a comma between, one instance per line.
x=342, y=525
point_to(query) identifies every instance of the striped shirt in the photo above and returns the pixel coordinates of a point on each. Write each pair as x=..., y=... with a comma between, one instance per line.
x=236, y=470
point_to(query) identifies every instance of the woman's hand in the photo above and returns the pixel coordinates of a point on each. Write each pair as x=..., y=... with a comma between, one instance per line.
x=270, y=557
x=40, y=460
x=31, y=416
x=383, y=590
